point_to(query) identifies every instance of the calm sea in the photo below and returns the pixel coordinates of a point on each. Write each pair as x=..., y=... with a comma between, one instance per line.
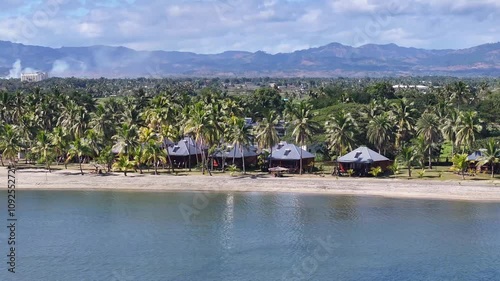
x=248, y=236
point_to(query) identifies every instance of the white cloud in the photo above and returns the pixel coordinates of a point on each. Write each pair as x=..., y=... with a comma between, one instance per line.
x=211, y=26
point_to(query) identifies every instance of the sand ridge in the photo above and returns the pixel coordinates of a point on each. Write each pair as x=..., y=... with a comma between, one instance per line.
x=31, y=179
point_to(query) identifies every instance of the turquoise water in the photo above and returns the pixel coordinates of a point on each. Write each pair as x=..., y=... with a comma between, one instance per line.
x=249, y=236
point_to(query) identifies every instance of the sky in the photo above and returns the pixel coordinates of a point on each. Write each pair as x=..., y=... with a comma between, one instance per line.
x=273, y=26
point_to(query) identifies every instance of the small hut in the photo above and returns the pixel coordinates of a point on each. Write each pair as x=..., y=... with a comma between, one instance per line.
x=288, y=155
x=234, y=155
x=184, y=154
x=475, y=157
x=361, y=160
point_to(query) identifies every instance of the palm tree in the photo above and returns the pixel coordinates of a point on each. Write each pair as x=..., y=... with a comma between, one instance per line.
x=266, y=134
x=123, y=164
x=126, y=139
x=403, y=112
x=146, y=135
x=301, y=116
x=467, y=128
x=240, y=135
x=59, y=141
x=198, y=125
x=490, y=156
x=449, y=128
x=380, y=131
x=340, y=130
x=460, y=163
x=407, y=155
x=428, y=128
x=44, y=147
x=10, y=143
x=79, y=148
x=154, y=153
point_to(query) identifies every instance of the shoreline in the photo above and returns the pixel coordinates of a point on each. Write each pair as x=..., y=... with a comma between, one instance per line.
x=67, y=180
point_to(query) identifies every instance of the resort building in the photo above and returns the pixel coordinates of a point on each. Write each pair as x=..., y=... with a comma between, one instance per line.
x=234, y=156
x=184, y=154
x=34, y=77
x=361, y=160
x=288, y=155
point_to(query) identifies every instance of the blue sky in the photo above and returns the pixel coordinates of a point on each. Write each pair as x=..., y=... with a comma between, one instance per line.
x=212, y=26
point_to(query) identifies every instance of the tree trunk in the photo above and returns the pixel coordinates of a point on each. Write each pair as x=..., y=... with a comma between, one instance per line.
x=409, y=170
x=80, y=162
x=156, y=167
x=270, y=158
x=302, y=143
x=492, y=170
x=243, y=159
x=125, y=172
x=430, y=157
x=202, y=158
x=1, y=160
x=170, y=161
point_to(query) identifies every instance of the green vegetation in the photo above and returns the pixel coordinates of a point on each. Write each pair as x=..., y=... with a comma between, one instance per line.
x=112, y=120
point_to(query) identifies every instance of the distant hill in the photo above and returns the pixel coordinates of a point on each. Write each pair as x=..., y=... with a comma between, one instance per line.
x=331, y=60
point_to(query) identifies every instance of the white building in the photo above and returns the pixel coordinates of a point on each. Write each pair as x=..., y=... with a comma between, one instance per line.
x=34, y=77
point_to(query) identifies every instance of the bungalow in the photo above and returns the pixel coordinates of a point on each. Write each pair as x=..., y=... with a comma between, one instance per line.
x=233, y=155
x=288, y=155
x=361, y=160
x=475, y=157
x=185, y=154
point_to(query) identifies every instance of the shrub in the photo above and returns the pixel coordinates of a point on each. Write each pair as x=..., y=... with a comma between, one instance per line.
x=375, y=171
x=421, y=173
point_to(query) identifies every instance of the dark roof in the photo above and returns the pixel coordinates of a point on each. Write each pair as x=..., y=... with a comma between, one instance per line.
x=184, y=147
x=249, y=151
x=288, y=151
x=362, y=155
x=475, y=156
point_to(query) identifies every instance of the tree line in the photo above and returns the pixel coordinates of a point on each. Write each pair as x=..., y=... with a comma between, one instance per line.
x=61, y=125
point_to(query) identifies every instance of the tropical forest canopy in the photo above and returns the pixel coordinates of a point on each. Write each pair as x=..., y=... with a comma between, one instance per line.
x=51, y=118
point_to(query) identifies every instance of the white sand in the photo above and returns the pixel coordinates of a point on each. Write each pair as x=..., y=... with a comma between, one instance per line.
x=72, y=180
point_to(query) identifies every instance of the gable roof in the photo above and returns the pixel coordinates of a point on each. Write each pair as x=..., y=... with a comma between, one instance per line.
x=288, y=151
x=235, y=151
x=362, y=155
x=475, y=155
x=185, y=147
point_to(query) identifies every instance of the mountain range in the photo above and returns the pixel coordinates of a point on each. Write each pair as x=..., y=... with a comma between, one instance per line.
x=331, y=60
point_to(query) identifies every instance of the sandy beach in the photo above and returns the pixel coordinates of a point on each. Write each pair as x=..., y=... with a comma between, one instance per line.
x=31, y=179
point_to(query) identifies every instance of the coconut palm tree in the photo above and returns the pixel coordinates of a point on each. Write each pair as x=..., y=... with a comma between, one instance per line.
x=407, y=156
x=198, y=125
x=380, y=131
x=59, y=141
x=123, y=164
x=10, y=142
x=240, y=136
x=490, y=156
x=301, y=116
x=340, y=130
x=468, y=127
x=44, y=148
x=460, y=163
x=449, y=128
x=78, y=148
x=154, y=153
x=403, y=112
x=428, y=128
x=266, y=133
x=126, y=139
